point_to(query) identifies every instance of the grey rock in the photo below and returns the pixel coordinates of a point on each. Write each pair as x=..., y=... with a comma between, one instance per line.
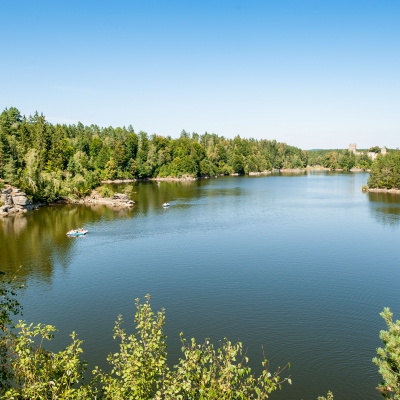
x=6, y=199
x=120, y=196
x=21, y=200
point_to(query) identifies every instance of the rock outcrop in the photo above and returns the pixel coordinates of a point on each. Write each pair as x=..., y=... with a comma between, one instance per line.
x=14, y=200
x=117, y=200
x=383, y=190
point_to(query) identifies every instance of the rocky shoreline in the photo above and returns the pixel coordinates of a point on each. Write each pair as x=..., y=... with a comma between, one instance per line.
x=266, y=172
x=293, y=170
x=14, y=200
x=383, y=190
x=167, y=179
x=117, y=200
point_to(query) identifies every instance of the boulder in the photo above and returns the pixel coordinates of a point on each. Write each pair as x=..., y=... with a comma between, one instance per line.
x=6, y=199
x=21, y=200
x=121, y=197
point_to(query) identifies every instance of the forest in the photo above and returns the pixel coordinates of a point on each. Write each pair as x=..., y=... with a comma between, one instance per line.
x=385, y=171
x=48, y=161
x=339, y=159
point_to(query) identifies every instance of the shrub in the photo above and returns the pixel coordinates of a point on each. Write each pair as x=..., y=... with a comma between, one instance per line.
x=128, y=190
x=105, y=191
x=388, y=360
x=329, y=396
x=139, y=368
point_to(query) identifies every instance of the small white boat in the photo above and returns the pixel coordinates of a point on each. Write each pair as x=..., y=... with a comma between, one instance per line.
x=77, y=232
x=166, y=205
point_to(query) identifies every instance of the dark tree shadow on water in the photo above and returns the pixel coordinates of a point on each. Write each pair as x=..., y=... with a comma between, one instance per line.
x=385, y=208
x=32, y=243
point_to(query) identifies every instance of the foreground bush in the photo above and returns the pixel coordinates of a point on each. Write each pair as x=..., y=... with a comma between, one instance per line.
x=388, y=360
x=385, y=172
x=138, y=370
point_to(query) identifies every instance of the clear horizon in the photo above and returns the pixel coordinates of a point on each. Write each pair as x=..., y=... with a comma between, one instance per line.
x=311, y=74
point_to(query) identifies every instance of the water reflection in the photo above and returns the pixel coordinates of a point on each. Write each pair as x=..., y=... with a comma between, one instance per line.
x=385, y=208
x=36, y=241
x=150, y=195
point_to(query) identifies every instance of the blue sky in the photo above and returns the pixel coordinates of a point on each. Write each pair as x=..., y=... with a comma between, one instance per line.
x=314, y=74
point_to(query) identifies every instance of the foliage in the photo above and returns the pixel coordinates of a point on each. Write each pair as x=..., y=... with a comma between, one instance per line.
x=329, y=396
x=42, y=374
x=338, y=159
x=128, y=190
x=105, y=191
x=139, y=368
x=385, y=172
x=219, y=374
x=375, y=149
x=9, y=305
x=388, y=360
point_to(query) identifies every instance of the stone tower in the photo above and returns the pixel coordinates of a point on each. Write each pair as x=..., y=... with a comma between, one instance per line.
x=353, y=148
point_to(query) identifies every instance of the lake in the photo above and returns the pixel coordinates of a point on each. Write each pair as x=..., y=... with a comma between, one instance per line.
x=299, y=264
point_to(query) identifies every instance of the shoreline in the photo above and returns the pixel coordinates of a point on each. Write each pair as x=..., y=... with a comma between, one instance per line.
x=13, y=201
x=117, y=200
x=383, y=190
x=266, y=172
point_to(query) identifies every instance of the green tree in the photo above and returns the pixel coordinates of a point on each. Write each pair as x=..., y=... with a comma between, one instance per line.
x=388, y=360
x=110, y=170
x=375, y=149
x=9, y=306
x=385, y=171
x=42, y=374
x=95, y=146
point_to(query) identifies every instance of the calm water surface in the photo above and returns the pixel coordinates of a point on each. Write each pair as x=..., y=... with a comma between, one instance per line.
x=301, y=265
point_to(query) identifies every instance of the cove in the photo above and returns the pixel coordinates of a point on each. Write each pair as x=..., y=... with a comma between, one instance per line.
x=301, y=264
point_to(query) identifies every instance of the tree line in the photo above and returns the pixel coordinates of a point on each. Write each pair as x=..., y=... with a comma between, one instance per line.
x=385, y=171
x=339, y=159
x=50, y=160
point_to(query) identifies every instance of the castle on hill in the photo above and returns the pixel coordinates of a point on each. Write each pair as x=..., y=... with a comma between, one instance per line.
x=371, y=154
